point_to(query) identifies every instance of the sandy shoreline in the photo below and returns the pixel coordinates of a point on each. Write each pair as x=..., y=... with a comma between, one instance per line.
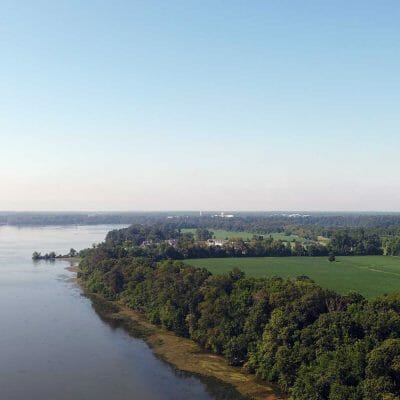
x=187, y=355
x=69, y=259
x=183, y=353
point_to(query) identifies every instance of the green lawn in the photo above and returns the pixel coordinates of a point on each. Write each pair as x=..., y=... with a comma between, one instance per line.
x=222, y=234
x=368, y=275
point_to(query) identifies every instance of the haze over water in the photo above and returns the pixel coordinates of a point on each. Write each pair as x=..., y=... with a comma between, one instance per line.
x=53, y=345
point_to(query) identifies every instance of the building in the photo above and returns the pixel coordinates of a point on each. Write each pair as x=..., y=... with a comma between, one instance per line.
x=216, y=242
x=172, y=242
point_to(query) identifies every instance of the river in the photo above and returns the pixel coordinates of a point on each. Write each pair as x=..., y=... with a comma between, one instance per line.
x=53, y=345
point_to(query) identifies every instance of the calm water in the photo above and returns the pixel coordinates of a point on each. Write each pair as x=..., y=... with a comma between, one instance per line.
x=53, y=345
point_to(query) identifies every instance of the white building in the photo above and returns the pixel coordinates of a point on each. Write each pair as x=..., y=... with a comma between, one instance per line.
x=216, y=242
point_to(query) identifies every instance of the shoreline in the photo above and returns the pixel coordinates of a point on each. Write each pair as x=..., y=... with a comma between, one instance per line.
x=182, y=353
x=71, y=260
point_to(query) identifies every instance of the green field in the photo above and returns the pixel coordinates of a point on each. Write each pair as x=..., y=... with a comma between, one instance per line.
x=368, y=275
x=222, y=234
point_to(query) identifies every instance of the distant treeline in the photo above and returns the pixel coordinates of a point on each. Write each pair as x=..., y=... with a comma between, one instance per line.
x=313, y=342
x=307, y=226
x=154, y=241
x=55, y=218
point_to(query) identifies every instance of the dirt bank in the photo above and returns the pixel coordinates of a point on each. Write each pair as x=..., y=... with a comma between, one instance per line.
x=184, y=353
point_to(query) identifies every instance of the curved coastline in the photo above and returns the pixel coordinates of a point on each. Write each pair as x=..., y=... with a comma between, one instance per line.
x=182, y=353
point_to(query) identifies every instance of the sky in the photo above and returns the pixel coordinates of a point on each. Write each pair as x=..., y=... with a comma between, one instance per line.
x=199, y=105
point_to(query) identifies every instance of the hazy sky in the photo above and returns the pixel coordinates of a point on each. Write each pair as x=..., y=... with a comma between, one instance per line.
x=149, y=105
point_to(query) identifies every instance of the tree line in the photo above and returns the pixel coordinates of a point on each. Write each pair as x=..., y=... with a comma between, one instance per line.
x=53, y=255
x=155, y=241
x=308, y=226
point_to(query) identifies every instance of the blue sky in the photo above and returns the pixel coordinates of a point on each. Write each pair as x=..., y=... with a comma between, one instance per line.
x=225, y=105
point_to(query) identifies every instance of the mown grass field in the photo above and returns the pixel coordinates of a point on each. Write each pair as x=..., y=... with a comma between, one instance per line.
x=222, y=234
x=368, y=275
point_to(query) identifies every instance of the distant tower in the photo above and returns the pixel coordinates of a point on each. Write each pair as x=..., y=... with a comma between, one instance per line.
x=201, y=213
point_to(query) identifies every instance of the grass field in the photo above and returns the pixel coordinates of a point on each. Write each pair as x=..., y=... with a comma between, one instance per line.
x=222, y=234
x=368, y=275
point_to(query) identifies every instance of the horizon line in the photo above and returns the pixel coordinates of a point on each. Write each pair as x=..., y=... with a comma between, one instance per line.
x=202, y=210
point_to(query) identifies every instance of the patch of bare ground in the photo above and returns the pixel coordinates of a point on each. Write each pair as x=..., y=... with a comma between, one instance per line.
x=73, y=260
x=184, y=354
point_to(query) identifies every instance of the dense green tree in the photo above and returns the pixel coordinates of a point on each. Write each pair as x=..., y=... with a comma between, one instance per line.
x=72, y=253
x=383, y=371
x=203, y=234
x=392, y=246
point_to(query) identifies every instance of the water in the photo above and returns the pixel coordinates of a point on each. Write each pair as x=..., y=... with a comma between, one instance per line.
x=53, y=345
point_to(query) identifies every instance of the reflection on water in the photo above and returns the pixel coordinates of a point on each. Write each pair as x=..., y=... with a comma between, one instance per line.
x=53, y=345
